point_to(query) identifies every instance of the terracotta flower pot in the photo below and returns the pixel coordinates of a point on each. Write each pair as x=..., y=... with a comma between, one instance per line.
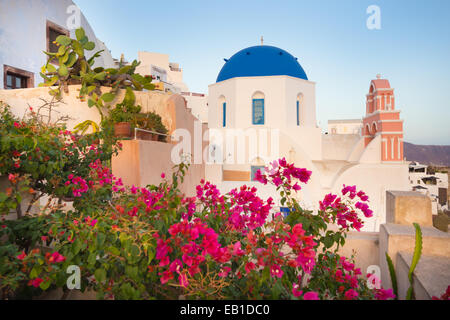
x=122, y=129
x=142, y=135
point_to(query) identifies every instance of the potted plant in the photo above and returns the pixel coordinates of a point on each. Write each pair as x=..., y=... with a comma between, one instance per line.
x=151, y=121
x=124, y=118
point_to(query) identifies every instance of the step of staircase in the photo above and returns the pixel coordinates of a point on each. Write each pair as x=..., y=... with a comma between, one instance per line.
x=431, y=276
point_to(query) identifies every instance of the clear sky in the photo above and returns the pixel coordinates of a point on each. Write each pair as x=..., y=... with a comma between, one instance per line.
x=329, y=37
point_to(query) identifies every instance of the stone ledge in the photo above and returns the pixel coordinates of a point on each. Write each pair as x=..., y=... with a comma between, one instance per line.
x=431, y=276
x=406, y=207
x=402, y=230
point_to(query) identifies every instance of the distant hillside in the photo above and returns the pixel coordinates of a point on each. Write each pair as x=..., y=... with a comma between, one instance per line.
x=430, y=155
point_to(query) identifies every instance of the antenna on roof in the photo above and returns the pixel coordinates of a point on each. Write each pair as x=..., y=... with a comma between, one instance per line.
x=262, y=40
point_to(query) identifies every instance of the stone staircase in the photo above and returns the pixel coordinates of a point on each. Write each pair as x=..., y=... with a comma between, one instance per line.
x=397, y=238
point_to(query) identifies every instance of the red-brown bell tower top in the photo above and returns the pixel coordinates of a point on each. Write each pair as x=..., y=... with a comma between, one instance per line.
x=382, y=119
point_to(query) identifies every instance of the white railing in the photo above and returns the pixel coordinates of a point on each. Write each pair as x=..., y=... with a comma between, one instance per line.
x=149, y=131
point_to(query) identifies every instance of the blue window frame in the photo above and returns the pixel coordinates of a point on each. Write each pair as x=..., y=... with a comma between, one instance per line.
x=285, y=211
x=298, y=113
x=258, y=111
x=224, y=117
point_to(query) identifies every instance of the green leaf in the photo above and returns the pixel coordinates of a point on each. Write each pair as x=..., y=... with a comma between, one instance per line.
x=392, y=273
x=71, y=60
x=129, y=98
x=100, y=76
x=51, y=68
x=50, y=54
x=100, y=275
x=45, y=285
x=409, y=293
x=89, y=46
x=63, y=71
x=151, y=254
x=80, y=34
x=78, y=48
x=52, y=81
x=76, y=247
x=132, y=272
x=108, y=97
x=34, y=272
x=63, y=40
x=114, y=250
x=417, y=252
x=92, y=259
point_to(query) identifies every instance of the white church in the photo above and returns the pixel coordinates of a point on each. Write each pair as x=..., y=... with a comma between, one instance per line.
x=263, y=107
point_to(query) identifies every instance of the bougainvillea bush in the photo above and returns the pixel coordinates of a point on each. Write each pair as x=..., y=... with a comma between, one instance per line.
x=155, y=243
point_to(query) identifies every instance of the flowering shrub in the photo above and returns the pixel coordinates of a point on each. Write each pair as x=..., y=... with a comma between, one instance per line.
x=39, y=155
x=144, y=243
x=153, y=242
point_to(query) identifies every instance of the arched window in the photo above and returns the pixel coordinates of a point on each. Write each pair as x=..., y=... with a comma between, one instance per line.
x=299, y=107
x=224, y=114
x=258, y=108
x=223, y=106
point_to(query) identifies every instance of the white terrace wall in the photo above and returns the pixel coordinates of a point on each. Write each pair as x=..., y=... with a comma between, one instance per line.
x=78, y=111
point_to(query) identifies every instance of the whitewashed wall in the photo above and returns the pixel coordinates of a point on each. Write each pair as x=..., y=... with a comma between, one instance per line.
x=23, y=34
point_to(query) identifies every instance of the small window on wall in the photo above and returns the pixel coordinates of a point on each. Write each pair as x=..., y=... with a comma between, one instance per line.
x=15, y=78
x=258, y=111
x=224, y=114
x=254, y=169
x=53, y=32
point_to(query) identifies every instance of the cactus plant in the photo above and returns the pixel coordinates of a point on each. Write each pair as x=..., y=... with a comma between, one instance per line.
x=75, y=68
x=85, y=125
x=415, y=260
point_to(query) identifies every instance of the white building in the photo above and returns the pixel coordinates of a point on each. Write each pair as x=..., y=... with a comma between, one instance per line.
x=432, y=184
x=169, y=77
x=27, y=28
x=345, y=126
x=263, y=107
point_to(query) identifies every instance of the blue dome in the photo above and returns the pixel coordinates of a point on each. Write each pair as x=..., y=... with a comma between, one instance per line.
x=261, y=61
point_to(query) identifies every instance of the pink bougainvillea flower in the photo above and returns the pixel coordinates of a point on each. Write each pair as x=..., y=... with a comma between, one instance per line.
x=295, y=290
x=93, y=222
x=249, y=266
x=260, y=177
x=176, y=266
x=383, y=294
x=351, y=294
x=311, y=296
x=21, y=256
x=164, y=261
x=225, y=271
x=163, y=175
x=35, y=282
x=276, y=271
x=55, y=257
x=166, y=276
x=237, y=251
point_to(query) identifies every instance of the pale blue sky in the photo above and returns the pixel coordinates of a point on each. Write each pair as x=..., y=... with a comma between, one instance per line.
x=330, y=39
